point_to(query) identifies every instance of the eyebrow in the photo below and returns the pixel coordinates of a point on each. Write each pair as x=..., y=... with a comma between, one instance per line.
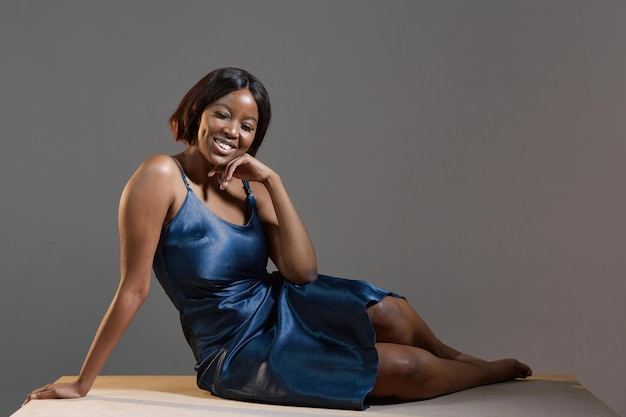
x=230, y=110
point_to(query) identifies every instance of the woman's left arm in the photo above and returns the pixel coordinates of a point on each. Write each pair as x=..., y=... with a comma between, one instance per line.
x=291, y=249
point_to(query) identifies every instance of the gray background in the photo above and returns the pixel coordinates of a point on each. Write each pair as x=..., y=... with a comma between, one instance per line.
x=468, y=154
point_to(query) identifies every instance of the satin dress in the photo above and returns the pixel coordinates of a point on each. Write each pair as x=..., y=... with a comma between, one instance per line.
x=256, y=336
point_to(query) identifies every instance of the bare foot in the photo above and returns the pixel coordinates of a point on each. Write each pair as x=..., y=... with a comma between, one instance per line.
x=508, y=369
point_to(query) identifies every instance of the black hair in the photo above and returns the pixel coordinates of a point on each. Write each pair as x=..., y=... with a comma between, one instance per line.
x=185, y=121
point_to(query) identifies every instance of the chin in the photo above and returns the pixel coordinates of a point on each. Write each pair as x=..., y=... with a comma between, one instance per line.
x=220, y=160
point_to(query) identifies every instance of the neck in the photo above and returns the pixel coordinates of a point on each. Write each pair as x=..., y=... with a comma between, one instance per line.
x=195, y=165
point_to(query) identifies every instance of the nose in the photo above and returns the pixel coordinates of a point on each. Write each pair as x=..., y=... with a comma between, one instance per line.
x=230, y=130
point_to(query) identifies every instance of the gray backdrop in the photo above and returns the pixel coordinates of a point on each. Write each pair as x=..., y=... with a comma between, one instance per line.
x=468, y=154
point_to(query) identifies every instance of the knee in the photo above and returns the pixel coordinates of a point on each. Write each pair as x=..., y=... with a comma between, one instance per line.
x=390, y=323
x=422, y=366
x=423, y=375
x=407, y=374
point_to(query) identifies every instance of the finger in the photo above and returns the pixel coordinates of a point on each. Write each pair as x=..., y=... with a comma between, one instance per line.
x=232, y=167
x=215, y=170
x=42, y=389
x=46, y=395
x=228, y=173
x=222, y=180
x=35, y=395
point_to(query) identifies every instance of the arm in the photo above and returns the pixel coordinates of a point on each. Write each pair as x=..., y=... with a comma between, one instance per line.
x=143, y=208
x=290, y=246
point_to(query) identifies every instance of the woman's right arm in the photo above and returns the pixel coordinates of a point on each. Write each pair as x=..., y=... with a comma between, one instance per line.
x=144, y=205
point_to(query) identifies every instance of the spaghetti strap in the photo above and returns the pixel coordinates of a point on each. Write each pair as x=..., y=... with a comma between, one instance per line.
x=182, y=173
x=246, y=186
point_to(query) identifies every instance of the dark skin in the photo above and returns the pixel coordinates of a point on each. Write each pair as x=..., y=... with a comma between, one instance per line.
x=413, y=363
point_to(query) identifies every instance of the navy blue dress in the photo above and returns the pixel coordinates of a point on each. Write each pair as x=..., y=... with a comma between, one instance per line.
x=255, y=335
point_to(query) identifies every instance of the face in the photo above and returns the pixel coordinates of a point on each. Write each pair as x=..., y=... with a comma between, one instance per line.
x=227, y=127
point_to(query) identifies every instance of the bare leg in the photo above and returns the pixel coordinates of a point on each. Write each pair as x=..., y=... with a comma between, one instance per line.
x=410, y=373
x=414, y=364
x=395, y=321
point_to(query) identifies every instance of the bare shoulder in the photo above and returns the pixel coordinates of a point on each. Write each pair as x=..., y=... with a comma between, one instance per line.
x=157, y=169
x=160, y=165
x=158, y=174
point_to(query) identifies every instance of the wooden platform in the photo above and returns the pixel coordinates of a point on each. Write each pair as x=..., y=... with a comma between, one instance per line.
x=155, y=396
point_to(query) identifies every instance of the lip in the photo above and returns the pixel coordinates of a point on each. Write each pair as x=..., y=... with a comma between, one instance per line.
x=222, y=151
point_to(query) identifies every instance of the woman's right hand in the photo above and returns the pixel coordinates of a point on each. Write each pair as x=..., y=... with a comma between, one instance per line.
x=57, y=390
x=140, y=228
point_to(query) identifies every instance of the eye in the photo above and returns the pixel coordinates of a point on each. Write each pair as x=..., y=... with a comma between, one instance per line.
x=247, y=128
x=221, y=115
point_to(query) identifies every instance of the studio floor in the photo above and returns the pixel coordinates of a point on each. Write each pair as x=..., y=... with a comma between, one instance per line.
x=156, y=396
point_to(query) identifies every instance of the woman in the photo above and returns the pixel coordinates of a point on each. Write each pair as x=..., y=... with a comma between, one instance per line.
x=206, y=220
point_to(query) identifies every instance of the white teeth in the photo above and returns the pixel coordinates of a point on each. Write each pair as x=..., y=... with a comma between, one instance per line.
x=223, y=145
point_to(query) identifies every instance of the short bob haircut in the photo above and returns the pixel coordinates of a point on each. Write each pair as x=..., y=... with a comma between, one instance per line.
x=185, y=121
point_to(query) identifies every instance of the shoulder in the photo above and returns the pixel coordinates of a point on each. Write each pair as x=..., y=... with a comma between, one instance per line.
x=159, y=174
x=160, y=169
x=160, y=166
x=147, y=200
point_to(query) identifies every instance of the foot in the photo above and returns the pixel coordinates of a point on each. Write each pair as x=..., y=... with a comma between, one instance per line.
x=507, y=370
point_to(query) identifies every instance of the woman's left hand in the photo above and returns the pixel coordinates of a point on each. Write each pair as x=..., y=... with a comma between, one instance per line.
x=291, y=249
x=245, y=167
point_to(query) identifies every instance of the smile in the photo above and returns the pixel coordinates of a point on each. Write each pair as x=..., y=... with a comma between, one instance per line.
x=223, y=145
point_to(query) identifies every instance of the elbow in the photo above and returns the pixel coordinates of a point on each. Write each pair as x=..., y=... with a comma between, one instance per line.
x=142, y=293
x=135, y=293
x=309, y=276
x=303, y=277
x=298, y=270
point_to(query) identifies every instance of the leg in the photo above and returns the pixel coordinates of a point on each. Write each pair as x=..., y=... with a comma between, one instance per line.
x=409, y=373
x=395, y=321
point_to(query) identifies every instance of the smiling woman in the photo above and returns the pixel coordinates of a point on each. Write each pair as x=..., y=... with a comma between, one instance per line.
x=186, y=120
x=207, y=220
x=227, y=127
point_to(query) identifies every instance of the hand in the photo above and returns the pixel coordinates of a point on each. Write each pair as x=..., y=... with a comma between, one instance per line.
x=59, y=390
x=245, y=167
